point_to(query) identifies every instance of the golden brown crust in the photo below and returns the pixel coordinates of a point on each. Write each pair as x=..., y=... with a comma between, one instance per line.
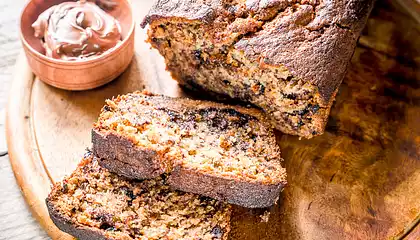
x=66, y=225
x=108, y=145
x=240, y=193
x=286, y=57
x=231, y=146
x=315, y=41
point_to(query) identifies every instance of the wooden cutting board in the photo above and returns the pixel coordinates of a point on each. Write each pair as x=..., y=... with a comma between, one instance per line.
x=360, y=180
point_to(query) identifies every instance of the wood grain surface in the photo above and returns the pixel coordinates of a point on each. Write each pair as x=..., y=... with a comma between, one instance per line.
x=357, y=181
x=15, y=218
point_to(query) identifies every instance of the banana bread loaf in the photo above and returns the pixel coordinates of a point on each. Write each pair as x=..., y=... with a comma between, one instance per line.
x=287, y=57
x=224, y=152
x=93, y=203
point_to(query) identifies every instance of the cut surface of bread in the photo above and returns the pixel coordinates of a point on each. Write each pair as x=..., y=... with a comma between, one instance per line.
x=93, y=203
x=286, y=57
x=220, y=151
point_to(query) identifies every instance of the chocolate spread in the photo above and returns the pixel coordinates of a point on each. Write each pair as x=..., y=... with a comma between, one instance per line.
x=76, y=30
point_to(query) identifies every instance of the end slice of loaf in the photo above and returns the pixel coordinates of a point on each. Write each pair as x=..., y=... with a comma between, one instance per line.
x=286, y=57
x=93, y=203
x=225, y=152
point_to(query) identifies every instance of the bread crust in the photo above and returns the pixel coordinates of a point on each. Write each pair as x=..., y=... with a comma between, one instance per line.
x=240, y=193
x=111, y=146
x=120, y=155
x=315, y=42
x=66, y=225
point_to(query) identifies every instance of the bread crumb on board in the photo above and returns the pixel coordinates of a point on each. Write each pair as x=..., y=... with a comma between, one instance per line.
x=265, y=216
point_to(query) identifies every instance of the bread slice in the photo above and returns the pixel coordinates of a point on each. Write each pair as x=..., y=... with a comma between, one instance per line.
x=225, y=152
x=93, y=203
x=286, y=57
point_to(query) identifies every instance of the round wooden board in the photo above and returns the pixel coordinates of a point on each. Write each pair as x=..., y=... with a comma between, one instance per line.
x=360, y=180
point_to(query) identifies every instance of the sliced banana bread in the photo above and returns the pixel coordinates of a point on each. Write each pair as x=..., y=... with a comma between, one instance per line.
x=225, y=152
x=287, y=57
x=93, y=203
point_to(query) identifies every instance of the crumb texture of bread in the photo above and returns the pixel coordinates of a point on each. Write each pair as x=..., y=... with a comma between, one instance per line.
x=93, y=203
x=232, y=144
x=286, y=57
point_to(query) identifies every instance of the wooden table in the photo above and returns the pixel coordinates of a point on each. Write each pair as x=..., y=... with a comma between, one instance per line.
x=15, y=217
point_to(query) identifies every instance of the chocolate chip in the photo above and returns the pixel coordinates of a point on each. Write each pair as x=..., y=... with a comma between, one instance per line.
x=303, y=112
x=205, y=199
x=106, y=108
x=309, y=108
x=65, y=188
x=106, y=219
x=164, y=177
x=197, y=54
x=254, y=137
x=162, y=26
x=217, y=232
x=226, y=82
x=262, y=89
x=290, y=96
x=300, y=123
x=173, y=116
x=315, y=108
x=129, y=193
x=106, y=226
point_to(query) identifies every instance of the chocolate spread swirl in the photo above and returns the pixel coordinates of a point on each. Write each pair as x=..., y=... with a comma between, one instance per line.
x=76, y=30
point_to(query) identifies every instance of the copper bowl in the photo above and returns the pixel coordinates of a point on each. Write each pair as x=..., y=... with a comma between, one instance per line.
x=82, y=74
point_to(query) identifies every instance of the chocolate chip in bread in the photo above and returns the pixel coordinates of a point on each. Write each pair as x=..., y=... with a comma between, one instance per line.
x=93, y=203
x=286, y=57
x=225, y=152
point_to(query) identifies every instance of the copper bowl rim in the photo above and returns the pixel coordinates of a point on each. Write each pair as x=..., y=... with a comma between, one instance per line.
x=103, y=56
